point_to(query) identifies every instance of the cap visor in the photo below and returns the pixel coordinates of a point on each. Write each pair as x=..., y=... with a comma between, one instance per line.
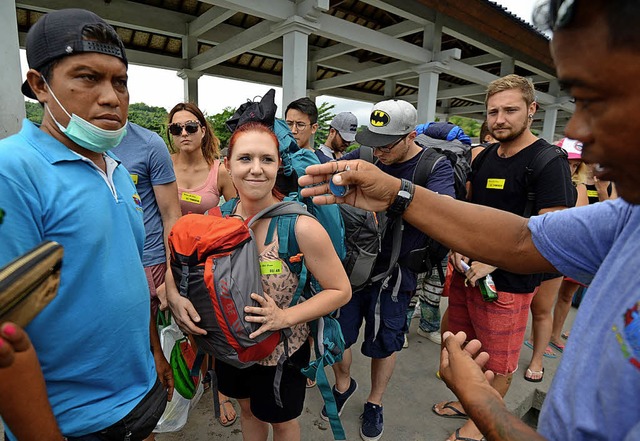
x=26, y=91
x=370, y=139
x=349, y=137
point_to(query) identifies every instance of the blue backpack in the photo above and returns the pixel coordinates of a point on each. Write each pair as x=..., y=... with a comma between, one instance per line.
x=328, y=339
x=294, y=163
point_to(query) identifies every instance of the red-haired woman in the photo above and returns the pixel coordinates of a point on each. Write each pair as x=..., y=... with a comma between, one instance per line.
x=253, y=162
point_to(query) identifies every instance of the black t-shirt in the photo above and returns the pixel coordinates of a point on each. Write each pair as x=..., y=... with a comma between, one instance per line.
x=500, y=183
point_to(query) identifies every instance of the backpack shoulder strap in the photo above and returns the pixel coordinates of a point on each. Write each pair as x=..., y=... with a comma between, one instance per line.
x=366, y=153
x=228, y=207
x=533, y=171
x=479, y=160
x=284, y=216
x=427, y=162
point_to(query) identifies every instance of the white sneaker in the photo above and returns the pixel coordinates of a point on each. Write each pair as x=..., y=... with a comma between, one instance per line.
x=434, y=336
x=406, y=342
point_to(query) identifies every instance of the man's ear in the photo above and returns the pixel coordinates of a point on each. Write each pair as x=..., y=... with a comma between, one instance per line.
x=533, y=107
x=314, y=127
x=38, y=86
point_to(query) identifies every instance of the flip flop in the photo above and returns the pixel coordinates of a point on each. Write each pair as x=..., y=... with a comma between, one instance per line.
x=457, y=413
x=559, y=348
x=230, y=421
x=548, y=352
x=462, y=438
x=529, y=373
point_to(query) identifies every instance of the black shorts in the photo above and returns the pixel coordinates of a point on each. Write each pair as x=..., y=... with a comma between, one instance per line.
x=550, y=276
x=256, y=383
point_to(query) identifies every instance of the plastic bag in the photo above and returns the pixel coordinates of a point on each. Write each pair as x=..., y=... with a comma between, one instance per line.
x=176, y=413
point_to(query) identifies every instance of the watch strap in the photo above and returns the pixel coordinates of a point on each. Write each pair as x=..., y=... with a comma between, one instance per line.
x=403, y=198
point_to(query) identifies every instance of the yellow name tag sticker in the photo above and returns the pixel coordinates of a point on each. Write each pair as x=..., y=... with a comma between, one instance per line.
x=271, y=267
x=134, y=178
x=592, y=193
x=190, y=197
x=495, y=184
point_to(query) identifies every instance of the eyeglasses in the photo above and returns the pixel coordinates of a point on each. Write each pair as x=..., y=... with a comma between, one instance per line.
x=299, y=125
x=191, y=127
x=388, y=148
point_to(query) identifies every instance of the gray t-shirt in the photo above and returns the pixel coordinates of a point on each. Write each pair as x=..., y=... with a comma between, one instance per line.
x=596, y=391
x=145, y=155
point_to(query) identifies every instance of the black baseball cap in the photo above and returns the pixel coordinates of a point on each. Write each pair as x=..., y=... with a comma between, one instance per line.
x=59, y=33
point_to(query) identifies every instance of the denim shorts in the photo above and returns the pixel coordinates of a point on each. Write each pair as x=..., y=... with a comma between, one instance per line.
x=391, y=322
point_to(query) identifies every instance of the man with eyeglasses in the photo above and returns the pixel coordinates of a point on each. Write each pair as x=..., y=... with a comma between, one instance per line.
x=301, y=116
x=342, y=133
x=383, y=304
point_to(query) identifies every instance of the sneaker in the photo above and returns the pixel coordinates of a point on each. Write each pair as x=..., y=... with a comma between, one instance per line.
x=341, y=399
x=434, y=336
x=405, y=345
x=372, y=425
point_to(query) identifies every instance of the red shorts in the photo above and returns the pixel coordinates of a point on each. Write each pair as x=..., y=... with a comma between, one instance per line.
x=500, y=326
x=155, y=277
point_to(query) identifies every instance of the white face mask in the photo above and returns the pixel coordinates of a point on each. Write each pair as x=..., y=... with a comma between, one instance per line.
x=85, y=134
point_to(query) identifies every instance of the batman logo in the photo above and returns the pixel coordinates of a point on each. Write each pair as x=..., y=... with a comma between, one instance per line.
x=379, y=118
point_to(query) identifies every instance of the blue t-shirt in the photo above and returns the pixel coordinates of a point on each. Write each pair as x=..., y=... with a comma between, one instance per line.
x=595, y=392
x=147, y=158
x=92, y=340
x=441, y=181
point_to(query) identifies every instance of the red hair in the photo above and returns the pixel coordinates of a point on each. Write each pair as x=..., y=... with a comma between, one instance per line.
x=259, y=127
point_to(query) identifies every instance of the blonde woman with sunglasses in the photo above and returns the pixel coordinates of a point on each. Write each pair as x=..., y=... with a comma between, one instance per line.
x=201, y=176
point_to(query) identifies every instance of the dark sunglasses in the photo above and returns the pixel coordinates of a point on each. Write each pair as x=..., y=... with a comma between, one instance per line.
x=191, y=127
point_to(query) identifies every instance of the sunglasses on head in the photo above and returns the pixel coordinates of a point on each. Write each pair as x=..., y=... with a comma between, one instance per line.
x=191, y=127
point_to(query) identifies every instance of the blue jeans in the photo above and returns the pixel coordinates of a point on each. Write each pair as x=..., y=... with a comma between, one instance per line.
x=428, y=292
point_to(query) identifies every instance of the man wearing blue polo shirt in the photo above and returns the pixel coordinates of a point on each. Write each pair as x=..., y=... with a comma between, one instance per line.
x=59, y=182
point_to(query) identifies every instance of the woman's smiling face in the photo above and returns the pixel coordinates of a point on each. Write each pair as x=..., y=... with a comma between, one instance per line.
x=253, y=164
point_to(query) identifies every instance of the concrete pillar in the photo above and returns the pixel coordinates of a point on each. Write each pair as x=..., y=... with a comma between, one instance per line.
x=190, y=83
x=295, y=45
x=549, y=124
x=427, y=93
x=12, y=110
x=389, y=88
x=190, y=77
x=507, y=66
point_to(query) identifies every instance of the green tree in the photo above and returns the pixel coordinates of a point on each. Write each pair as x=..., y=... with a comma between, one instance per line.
x=470, y=126
x=325, y=115
x=219, y=127
x=35, y=111
x=150, y=117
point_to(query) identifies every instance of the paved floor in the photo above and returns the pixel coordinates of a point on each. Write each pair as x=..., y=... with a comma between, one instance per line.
x=413, y=389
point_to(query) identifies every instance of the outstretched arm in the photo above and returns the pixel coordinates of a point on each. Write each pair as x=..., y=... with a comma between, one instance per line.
x=505, y=241
x=461, y=368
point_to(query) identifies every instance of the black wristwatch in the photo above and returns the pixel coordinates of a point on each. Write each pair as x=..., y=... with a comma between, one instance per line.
x=402, y=200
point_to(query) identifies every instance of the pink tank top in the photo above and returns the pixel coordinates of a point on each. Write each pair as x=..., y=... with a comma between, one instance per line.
x=202, y=198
